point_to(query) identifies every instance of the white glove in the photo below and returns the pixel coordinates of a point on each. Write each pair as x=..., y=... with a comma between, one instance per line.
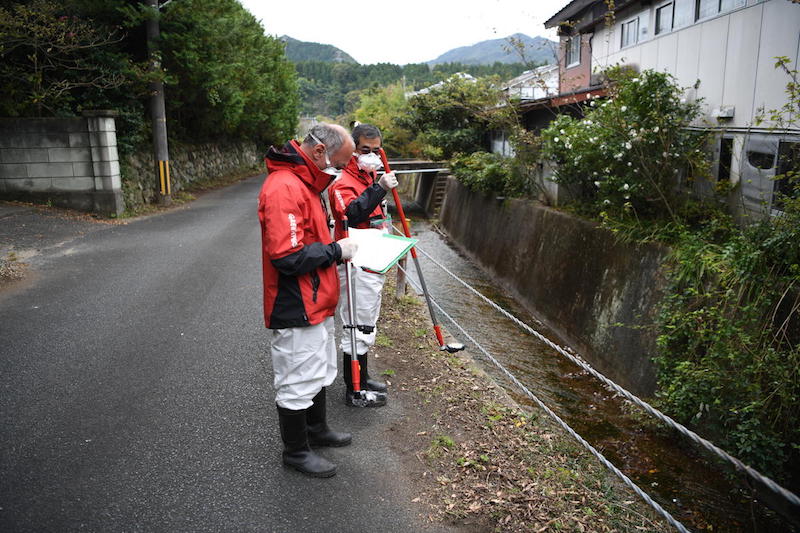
x=348, y=247
x=388, y=181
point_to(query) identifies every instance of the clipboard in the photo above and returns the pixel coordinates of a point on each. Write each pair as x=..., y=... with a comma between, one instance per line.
x=378, y=251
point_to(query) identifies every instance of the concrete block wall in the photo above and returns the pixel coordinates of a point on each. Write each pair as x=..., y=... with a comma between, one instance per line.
x=571, y=274
x=71, y=162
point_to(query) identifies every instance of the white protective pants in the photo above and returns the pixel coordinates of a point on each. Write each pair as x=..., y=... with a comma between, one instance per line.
x=369, y=287
x=303, y=361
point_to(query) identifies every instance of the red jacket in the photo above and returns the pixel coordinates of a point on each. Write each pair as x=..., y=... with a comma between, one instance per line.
x=355, y=195
x=301, y=286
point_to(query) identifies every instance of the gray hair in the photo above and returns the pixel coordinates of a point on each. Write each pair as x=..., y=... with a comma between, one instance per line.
x=326, y=134
x=368, y=131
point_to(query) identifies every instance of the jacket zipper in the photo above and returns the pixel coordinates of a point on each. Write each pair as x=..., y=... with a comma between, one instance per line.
x=314, y=285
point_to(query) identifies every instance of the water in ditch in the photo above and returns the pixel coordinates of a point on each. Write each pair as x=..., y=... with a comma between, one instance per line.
x=694, y=489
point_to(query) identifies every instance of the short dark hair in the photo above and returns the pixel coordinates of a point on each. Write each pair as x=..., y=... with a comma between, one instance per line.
x=368, y=131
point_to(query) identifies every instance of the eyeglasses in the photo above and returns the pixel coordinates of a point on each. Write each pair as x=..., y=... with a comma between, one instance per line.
x=327, y=159
x=367, y=149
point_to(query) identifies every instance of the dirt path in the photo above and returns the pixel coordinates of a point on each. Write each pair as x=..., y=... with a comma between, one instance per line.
x=476, y=457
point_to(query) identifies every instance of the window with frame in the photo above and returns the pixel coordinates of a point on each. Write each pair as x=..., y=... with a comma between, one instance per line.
x=682, y=13
x=787, y=173
x=664, y=18
x=725, y=159
x=573, y=56
x=630, y=32
x=708, y=8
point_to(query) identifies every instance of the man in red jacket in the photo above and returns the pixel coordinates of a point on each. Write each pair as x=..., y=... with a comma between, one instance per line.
x=359, y=196
x=301, y=288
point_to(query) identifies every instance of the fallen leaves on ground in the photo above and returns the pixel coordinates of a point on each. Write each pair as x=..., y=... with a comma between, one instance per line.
x=480, y=462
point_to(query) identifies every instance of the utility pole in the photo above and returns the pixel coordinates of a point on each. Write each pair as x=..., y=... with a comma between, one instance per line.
x=157, y=111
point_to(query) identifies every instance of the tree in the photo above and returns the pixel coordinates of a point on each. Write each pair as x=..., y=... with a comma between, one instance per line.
x=226, y=78
x=455, y=116
x=49, y=53
x=381, y=107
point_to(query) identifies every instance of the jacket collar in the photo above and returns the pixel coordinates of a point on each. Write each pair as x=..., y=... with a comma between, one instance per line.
x=361, y=175
x=291, y=157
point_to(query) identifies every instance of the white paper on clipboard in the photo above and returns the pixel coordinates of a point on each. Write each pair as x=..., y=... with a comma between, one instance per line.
x=378, y=251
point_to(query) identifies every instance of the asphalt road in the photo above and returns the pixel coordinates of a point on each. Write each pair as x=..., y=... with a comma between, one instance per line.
x=137, y=388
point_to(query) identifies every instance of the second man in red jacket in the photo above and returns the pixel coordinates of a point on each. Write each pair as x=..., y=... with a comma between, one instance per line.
x=359, y=196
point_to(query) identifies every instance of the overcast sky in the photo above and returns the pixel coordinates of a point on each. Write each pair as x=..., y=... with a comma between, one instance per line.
x=403, y=31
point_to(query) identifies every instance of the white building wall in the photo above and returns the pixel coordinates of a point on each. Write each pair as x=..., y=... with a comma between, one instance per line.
x=741, y=63
x=780, y=36
x=732, y=54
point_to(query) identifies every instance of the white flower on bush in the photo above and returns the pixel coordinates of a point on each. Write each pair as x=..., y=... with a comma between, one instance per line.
x=626, y=186
x=635, y=80
x=562, y=132
x=618, y=156
x=628, y=145
x=655, y=130
x=627, y=196
x=664, y=154
x=587, y=122
x=606, y=201
x=555, y=139
x=630, y=164
x=623, y=108
x=597, y=184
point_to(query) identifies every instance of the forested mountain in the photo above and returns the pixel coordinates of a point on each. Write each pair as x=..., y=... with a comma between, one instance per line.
x=305, y=51
x=332, y=89
x=536, y=50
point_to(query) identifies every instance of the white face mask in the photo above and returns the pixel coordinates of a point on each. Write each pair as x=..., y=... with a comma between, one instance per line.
x=369, y=162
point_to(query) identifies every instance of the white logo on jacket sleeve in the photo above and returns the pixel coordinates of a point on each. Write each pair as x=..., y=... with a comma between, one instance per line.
x=293, y=230
x=341, y=200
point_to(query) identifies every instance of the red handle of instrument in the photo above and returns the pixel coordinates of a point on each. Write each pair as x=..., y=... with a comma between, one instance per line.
x=355, y=374
x=397, y=203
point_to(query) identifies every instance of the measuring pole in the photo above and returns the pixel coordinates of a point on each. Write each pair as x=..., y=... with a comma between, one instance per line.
x=157, y=112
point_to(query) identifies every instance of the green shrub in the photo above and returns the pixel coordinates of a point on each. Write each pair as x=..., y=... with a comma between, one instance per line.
x=627, y=154
x=729, y=343
x=483, y=172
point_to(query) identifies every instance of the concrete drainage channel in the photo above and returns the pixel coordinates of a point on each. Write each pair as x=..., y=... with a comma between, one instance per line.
x=688, y=485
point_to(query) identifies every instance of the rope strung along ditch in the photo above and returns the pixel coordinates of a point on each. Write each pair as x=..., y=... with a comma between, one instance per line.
x=633, y=486
x=691, y=435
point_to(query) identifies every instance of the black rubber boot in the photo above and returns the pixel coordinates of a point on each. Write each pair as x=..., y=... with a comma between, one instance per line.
x=367, y=383
x=363, y=398
x=319, y=434
x=296, y=451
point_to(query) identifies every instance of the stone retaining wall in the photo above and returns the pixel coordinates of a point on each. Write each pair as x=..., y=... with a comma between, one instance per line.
x=188, y=164
x=571, y=274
